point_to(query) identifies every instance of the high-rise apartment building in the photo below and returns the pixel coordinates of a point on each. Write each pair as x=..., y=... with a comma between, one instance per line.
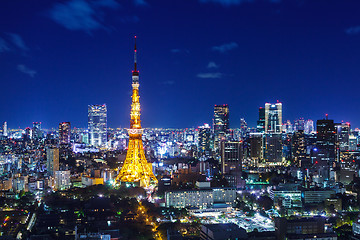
x=64, y=132
x=52, y=162
x=221, y=124
x=97, y=124
x=273, y=117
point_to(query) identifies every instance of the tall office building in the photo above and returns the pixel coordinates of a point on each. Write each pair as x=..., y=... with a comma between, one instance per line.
x=52, y=162
x=221, y=124
x=309, y=126
x=288, y=127
x=273, y=117
x=64, y=132
x=260, y=127
x=352, y=143
x=97, y=124
x=204, y=140
x=343, y=135
x=231, y=162
x=298, y=147
x=273, y=148
x=243, y=128
x=256, y=146
x=36, y=130
x=5, y=129
x=299, y=124
x=326, y=139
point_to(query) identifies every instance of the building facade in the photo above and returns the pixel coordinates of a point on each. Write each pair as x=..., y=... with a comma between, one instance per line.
x=52, y=155
x=221, y=124
x=200, y=198
x=273, y=117
x=97, y=125
x=64, y=132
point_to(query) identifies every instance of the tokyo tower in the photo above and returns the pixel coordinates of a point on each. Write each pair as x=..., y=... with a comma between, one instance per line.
x=136, y=169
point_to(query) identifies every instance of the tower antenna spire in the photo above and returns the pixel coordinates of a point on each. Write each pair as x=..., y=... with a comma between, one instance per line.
x=135, y=69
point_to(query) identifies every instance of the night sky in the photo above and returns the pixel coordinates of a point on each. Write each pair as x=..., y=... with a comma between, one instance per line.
x=59, y=56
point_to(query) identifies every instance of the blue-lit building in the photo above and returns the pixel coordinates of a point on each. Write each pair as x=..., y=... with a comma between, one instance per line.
x=97, y=124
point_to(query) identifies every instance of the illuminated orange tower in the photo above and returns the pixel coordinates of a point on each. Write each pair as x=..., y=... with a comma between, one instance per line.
x=135, y=167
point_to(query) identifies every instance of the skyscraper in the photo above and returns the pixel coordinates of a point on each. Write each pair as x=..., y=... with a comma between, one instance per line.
x=204, y=140
x=231, y=161
x=326, y=139
x=299, y=124
x=97, y=124
x=243, y=128
x=260, y=127
x=36, y=130
x=288, y=127
x=221, y=124
x=273, y=117
x=273, y=148
x=309, y=126
x=256, y=147
x=135, y=167
x=298, y=147
x=342, y=135
x=64, y=132
x=52, y=162
x=5, y=129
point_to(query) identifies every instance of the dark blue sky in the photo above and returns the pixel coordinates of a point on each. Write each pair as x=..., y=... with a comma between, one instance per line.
x=59, y=56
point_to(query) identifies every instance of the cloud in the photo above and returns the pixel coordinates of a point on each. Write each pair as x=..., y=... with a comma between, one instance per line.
x=81, y=14
x=140, y=3
x=3, y=46
x=24, y=69
x=106, y=3
x=210, y=75
x=225, y=47
x=178, y=50
x=227, y=3
x=18, y=41
x=353, y=30
x=212, y=65
x=170, y=82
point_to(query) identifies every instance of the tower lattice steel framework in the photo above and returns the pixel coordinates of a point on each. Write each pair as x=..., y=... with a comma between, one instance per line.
x=135, y=167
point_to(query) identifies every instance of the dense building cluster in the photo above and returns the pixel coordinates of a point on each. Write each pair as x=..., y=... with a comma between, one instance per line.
x=278, y=180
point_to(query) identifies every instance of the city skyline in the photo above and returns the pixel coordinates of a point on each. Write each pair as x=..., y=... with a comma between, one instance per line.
x=277, y=50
